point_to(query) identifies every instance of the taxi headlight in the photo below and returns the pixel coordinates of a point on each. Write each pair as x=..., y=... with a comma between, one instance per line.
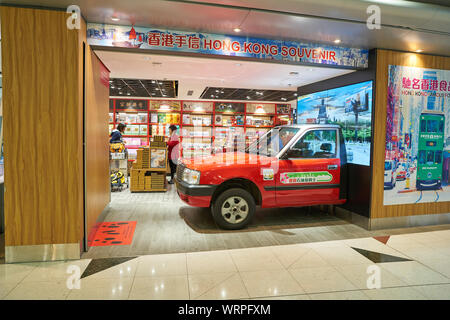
x=191, y=176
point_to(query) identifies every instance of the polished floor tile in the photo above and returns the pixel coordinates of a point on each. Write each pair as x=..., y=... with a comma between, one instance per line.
x=311, y=259
x=6, y=288
x=343, y=295
x=41, y=290
x=270, y=283
x=126, y=269
x=210, y=262
x=322, y=279
x=99, y=265
x=161, y=265
x=58, y=270
x=402, y=293
x=441, y=265
x=14, y=273
x=362, y=276
x=414, y=273
x=217, y=286
x=102, y=289
x=341, y=256
x=160, y=288
x=289, y=254
x=289, y=297
x=256, y=259
x=435, y=292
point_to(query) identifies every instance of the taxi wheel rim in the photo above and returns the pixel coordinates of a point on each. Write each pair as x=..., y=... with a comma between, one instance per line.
x=234, y=209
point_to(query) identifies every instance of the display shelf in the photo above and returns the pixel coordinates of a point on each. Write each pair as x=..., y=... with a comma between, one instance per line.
x=133, y=136
x=199, y=110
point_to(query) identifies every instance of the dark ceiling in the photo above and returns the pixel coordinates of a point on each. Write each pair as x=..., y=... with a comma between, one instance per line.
x=213, y=93
x=143, y=88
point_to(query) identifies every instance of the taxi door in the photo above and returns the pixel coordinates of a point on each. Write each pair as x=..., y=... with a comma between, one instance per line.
x=309, y=172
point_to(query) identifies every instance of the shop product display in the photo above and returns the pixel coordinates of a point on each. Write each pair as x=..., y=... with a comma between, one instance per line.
x=149, y=170
x=196, y=120
x=143, y=130
x=195, y=106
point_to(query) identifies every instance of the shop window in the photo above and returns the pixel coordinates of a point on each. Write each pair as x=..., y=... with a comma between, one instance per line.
x=438, y=157
x=432, y=126
x=423, y=126
x=421, y=157
x=441, y=126
x=430, y=157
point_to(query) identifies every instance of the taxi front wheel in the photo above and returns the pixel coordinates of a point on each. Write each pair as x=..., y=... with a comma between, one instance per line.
x=233, y=209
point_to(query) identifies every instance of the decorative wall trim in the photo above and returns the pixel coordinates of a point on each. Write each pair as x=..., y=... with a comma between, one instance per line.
x=410, y=221
x=42, y=252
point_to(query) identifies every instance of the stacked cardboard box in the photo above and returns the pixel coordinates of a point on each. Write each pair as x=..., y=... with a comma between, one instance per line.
x=143, y=177
x=158, y=180
x=158, y=142
x=148, y=182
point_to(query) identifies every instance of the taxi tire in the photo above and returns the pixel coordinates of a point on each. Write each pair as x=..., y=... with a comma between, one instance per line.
x=217, y=206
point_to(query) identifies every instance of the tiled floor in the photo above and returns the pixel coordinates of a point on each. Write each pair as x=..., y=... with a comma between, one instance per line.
x=318, y=270
x=166, y=225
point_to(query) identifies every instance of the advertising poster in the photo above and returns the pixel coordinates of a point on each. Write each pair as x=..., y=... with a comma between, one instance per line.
x=226, y=45
x=351, y=108
x=417, y=153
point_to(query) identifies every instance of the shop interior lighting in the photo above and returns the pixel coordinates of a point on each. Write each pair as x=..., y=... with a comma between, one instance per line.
x=115, y=19
x=337, y=41
x=419, y=50
x=237, y=30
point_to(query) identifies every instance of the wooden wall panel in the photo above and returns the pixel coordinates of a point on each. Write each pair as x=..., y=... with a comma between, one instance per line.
x=42, y=128
x=98, y=191
x=384, y=59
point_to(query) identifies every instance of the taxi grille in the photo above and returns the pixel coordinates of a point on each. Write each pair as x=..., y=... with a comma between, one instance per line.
x=179, y=172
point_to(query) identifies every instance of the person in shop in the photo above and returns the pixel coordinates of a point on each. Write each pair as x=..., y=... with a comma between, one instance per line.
x=116, y=134
x=174, y=151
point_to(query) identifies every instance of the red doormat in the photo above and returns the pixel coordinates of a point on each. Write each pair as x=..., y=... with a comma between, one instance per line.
x=114, y=233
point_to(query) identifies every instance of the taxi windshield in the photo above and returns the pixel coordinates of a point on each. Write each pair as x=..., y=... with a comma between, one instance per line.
x=272, y=142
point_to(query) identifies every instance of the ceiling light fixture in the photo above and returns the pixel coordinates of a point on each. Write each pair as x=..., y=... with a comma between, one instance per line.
x=419, y=50
x=115, y=19
x=237, y=30
x=337, y=41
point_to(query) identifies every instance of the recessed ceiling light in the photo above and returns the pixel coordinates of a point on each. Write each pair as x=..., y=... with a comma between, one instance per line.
x=212, y=96
x=237, y=30
x=115, y=19
x=337, y=41
x=295, y=94
x=419, y=50
x=153, y=81
x=128, y=93
x=248, y=97
x=112, y=87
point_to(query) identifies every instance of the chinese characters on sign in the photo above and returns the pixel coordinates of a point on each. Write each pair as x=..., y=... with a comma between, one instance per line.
x=193, y=42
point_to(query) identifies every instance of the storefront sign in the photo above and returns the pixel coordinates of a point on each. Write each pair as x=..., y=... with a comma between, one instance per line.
x=204, y=43
x=417, y=111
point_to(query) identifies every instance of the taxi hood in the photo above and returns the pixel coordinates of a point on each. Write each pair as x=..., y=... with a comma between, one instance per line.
x=229, y=159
